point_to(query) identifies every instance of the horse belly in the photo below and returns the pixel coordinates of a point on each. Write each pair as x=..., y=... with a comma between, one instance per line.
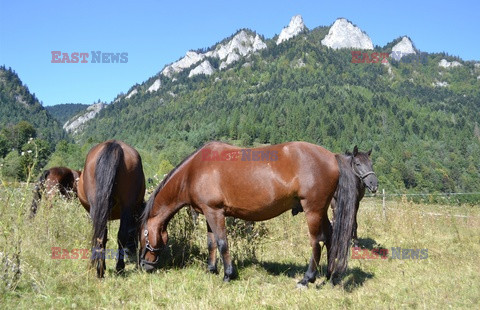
x=259, y=210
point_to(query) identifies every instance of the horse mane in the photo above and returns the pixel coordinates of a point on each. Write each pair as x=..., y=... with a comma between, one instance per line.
x=347, y=158
x=149, y=205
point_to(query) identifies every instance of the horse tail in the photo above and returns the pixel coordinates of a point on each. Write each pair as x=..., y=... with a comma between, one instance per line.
x=105, y=174
x=37, y=192
x=344, y=218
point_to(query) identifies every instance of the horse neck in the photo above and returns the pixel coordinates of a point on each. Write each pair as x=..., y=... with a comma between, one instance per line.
x=172, y=197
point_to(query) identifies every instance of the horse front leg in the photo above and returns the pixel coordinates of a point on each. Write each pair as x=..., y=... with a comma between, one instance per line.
x=216, y=221
x=126, y=239
x=355, y=226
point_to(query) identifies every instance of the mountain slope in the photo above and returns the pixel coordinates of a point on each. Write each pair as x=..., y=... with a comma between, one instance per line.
x=424, y=137
x=18, y=104
x=63, y=112
x=76, y=123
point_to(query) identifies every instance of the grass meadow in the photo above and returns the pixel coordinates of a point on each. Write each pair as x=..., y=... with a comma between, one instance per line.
x=270, y=258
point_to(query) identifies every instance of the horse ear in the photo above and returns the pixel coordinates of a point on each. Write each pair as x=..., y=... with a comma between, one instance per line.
x=369, y=152
x=355, y=151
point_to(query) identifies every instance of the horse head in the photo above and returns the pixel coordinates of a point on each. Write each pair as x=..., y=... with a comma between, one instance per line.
x=153, y=238
x=363, y=168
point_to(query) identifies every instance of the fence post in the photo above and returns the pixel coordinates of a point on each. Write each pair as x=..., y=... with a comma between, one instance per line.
x=383, y=203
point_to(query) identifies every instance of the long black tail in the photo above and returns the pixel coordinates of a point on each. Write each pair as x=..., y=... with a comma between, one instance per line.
x=105, y=174
x=344, y=218
x=37, y=193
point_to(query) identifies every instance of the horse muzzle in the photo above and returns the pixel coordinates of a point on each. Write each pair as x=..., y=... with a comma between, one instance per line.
x=373, y=189
x=149, y=266
x=146, y=265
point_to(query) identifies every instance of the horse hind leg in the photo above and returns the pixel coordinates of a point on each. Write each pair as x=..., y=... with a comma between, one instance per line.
x=216, y=221
x=98, y=254
x=318, y=227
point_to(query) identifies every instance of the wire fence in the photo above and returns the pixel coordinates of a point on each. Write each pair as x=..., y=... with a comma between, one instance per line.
x=471, y=198
x=420, y=194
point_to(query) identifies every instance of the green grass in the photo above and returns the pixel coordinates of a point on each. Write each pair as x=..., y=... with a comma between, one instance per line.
x=449, y=277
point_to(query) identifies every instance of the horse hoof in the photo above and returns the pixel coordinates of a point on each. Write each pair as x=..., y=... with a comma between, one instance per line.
x=213, y=270
x=335, y=280
x=120, y=266
x=229, y=278
x=302, y=285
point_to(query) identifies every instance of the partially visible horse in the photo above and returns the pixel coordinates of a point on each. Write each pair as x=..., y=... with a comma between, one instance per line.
x=111, y=187
x=362, y=167
x=57, y=179
x=256, y=184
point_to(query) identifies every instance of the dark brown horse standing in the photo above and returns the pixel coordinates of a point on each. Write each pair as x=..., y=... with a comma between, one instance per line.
x=362, y=167
x=111, y=187
x=57, y=179
x=256, y=184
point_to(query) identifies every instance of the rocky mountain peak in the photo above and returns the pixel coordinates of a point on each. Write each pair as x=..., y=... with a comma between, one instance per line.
x=240, y=45
x=295, y=27
x=343, y=34
x=402, y=48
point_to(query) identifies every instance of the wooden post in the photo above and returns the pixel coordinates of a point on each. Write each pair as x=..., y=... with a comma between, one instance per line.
x=383, y=203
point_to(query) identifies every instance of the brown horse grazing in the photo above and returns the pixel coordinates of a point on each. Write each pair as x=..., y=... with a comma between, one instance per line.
x=56, y=179
x=111, y=187
x=255, y=184
x=361, y=165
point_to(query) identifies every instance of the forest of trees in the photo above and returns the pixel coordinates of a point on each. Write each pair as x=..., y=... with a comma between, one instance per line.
x=424, y=138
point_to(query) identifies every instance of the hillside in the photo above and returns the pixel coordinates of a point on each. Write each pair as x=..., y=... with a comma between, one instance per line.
x=65, y=111
x=18, y=104
x=419, y=114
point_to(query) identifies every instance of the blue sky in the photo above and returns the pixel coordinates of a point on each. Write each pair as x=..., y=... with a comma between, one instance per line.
x=155, y=33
